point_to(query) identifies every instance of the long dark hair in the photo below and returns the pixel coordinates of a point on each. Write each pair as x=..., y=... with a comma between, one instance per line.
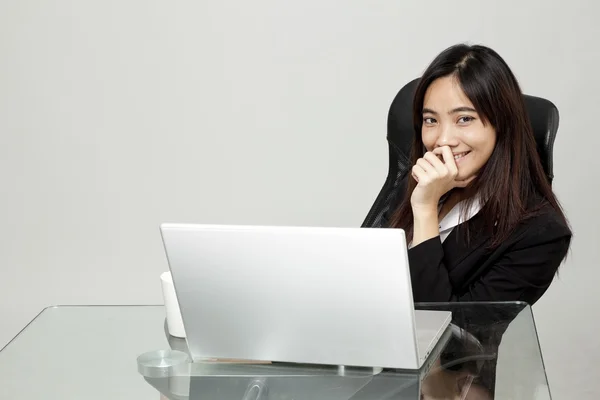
x=513, y=177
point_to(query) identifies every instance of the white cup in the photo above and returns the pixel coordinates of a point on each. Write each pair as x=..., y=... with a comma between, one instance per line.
x=174, y=320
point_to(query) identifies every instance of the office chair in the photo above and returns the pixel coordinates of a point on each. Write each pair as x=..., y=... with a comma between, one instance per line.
x=544, y=120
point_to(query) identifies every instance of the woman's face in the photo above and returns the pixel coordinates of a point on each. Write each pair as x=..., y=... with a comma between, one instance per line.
x=449, y=119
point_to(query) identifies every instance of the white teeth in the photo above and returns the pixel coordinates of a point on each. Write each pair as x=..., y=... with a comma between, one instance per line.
x=461, y=155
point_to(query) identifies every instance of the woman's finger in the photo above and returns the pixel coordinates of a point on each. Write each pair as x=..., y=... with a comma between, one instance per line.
x=436, y=163
x=418, y=173
x=425, y=165
x=448, y=157
x=415, y=177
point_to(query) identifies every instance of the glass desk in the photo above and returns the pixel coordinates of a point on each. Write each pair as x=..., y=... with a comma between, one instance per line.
x=124, y=352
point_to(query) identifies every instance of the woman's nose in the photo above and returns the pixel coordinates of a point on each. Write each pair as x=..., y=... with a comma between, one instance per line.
x=447, y=137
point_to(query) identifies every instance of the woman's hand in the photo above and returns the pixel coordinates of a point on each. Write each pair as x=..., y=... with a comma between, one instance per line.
x=434, y=177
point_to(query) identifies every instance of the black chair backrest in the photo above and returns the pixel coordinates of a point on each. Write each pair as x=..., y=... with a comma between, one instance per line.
x=400, y=133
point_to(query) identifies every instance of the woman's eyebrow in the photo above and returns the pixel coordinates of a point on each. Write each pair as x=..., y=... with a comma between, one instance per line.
x=453, y=111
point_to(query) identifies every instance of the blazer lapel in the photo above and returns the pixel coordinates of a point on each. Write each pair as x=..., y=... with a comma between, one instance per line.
x=456, y=248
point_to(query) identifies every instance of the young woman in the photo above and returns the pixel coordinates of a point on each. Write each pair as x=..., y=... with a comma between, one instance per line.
x=480, y=216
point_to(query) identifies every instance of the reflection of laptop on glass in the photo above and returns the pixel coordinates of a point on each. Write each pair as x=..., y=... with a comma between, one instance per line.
x=338, y=296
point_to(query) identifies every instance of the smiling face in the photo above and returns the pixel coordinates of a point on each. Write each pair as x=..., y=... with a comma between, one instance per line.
x=449, y=119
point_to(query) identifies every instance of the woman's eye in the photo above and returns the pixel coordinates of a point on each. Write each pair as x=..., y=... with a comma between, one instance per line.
x=429, y=120
x=465, y=119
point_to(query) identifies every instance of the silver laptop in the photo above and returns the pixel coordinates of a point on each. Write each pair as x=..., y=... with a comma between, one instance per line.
x=311, y=295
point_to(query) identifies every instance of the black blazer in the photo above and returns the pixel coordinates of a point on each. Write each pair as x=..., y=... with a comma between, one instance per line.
x=520, y=269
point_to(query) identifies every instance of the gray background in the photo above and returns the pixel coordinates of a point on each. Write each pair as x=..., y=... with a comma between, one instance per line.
x=116, y=116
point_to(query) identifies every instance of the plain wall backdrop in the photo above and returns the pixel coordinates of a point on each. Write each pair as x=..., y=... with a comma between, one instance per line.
x=116, y=116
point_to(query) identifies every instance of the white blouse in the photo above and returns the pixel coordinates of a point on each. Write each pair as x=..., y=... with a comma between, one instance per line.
x=453, y=218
